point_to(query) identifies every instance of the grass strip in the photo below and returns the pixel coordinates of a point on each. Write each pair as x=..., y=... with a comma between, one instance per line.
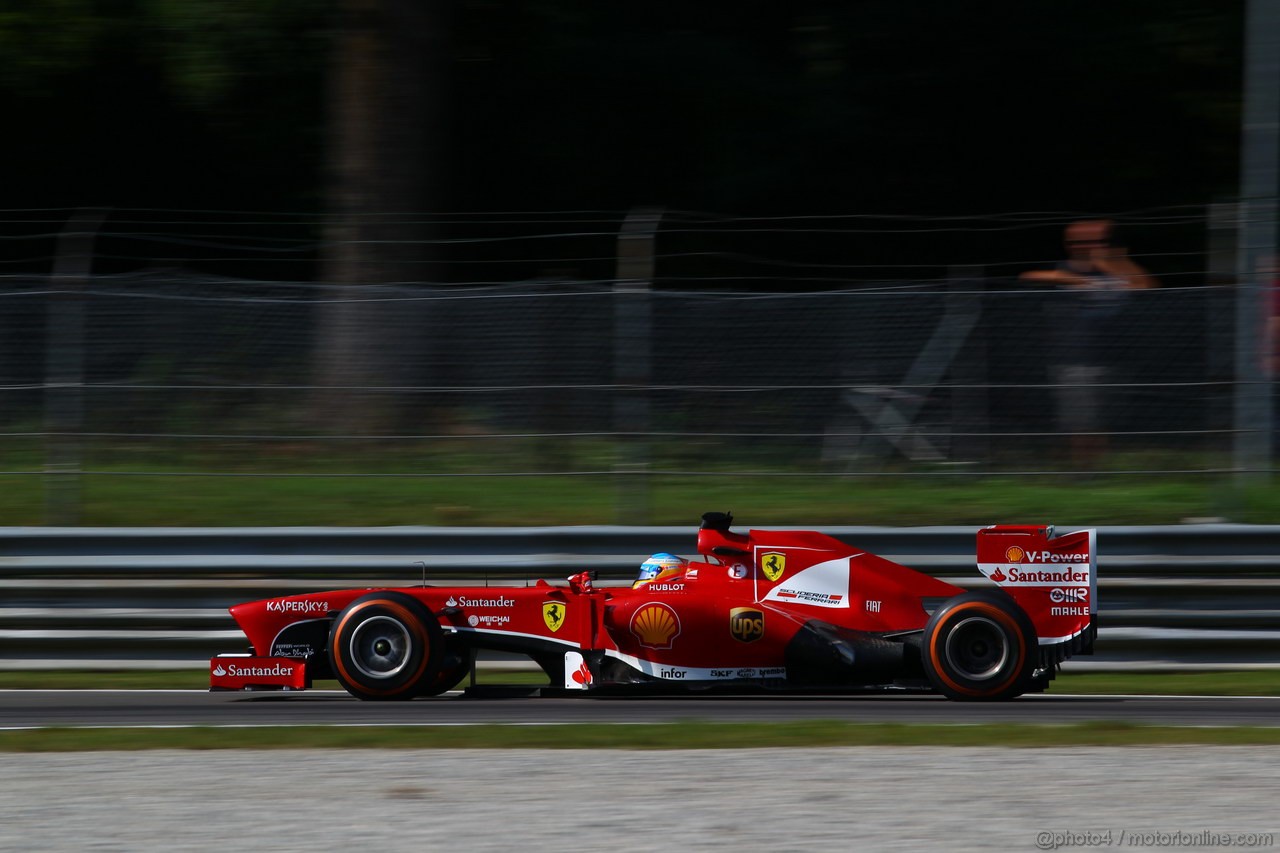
x=687, y=734
x=1265, y=682
x=1218, y=683
x=552, y=499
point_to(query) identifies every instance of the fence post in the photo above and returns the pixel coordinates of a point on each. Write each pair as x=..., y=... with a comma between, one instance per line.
x=1259, y=180
x=970, y=420
x=1220, y=354
x=64, y=367
x=632, y=362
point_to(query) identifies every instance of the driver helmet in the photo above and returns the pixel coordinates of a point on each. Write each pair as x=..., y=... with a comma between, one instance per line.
x=660, y=567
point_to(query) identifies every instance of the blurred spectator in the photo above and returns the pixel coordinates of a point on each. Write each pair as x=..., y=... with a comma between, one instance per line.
x=1269, y=275
x=1097, y=272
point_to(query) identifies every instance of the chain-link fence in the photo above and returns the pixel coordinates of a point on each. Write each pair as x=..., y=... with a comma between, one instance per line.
x=186, y=372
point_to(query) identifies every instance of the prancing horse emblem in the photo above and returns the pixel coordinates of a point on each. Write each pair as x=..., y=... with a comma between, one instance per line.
x=773, y=564
x=553, y=615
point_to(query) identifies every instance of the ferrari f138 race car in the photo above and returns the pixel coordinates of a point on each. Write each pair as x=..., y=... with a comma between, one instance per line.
x=778, y=610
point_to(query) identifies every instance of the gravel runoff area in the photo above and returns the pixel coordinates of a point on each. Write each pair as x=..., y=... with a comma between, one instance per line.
x=847, y=798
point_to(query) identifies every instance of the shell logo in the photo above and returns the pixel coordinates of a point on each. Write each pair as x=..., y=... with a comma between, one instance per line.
x=655, y=625
x=1014, y=554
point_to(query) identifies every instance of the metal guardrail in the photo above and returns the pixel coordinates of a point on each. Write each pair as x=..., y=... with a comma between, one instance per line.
x=1188, y=596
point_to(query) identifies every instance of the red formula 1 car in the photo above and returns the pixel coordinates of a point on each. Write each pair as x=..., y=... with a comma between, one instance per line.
x=781, y=610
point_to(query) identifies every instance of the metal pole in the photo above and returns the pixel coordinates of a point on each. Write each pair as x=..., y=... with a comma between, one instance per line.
x=969, y=402
x=632, y=361
x=64, y=367
x=1260, y=146
x=1220, y=319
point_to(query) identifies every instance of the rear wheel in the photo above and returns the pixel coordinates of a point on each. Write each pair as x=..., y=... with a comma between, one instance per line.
x=385, y=645
x=980, y=646
x=455, y=665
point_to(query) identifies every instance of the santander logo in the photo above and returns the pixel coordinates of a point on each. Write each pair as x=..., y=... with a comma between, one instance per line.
x=998, y=576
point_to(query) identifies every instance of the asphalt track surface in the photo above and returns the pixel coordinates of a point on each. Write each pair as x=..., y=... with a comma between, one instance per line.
x=43, y=708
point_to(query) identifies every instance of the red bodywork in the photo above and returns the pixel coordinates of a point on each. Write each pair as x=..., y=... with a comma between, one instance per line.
x=781, y=609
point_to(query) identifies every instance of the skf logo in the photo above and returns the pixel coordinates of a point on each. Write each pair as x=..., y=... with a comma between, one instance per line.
x=773, y=564
x=553, y=615
x=746, y=624
x=1014, y=554
x=655, y=625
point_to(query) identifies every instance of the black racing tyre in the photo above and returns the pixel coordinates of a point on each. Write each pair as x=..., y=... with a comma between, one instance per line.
x=455, y=665
x=980, y=646
x=385, y=645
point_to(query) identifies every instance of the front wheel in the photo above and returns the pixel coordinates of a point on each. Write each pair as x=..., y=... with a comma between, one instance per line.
x=980, y=646
x=385, y=645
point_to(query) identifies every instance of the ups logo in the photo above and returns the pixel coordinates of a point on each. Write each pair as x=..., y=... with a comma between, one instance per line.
x=746, y=624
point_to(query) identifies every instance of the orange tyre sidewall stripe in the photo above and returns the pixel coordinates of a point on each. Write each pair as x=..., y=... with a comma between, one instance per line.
x=410, y=621
x=996, y=615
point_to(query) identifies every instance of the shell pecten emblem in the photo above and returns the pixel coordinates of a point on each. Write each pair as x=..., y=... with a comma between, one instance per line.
x=655, y=625
x=773, y=564
x=1014, y=554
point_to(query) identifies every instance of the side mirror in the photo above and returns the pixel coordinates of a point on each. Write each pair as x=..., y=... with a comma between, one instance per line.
x=717, y=521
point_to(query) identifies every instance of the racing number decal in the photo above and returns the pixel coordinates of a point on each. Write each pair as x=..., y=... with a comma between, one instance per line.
x=773, y=565
x=553, y=615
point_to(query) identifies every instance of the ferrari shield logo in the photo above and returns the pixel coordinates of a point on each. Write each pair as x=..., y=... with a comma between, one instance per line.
x=553, y=614
x=773, y=564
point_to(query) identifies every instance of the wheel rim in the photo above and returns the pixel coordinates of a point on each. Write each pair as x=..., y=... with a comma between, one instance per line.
x=380, y=647
x=977, y=648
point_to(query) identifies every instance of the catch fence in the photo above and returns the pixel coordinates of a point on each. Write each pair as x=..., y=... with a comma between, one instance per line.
x=813, y=364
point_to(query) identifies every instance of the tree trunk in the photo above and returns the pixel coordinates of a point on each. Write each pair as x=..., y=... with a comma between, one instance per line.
x=385, y=169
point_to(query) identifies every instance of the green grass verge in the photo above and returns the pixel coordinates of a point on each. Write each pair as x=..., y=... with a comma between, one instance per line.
x=550, y=499
x=1233, y=683
x=686, y=734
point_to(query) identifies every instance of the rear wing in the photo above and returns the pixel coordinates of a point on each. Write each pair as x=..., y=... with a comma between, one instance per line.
x=1053, y=578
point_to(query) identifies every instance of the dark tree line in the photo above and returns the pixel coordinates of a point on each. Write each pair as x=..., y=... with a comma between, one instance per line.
x=738, y=107
x=363, y=111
